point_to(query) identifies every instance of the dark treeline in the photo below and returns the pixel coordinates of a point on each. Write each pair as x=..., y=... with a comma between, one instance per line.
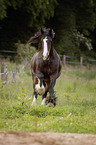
x=74, y=23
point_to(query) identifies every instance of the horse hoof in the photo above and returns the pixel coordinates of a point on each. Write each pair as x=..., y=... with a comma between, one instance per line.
x=50, y=105
x=51, y=100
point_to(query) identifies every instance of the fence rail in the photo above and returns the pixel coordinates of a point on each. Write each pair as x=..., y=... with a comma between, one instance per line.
x=65, y=58
x=8, y=51
x=94, y=60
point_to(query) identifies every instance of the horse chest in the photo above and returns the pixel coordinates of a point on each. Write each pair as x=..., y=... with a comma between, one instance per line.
x=48, y=68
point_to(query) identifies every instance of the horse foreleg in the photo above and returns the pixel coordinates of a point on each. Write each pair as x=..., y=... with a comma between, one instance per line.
x=52, y=83
x=51, y=101
x=44, y=98
x=34, y=99
x=34, y=96
x=51, y=89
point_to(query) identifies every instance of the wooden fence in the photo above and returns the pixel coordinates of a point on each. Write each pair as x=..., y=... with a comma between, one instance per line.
x=83, y=61
x=11, y=54
x=4, y=73
x=65, y=59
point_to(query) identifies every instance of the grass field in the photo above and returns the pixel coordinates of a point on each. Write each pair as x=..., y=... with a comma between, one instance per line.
x=76, y=105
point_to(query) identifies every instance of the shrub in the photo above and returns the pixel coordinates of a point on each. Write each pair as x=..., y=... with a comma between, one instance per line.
x=25, y=51
x=80, y=38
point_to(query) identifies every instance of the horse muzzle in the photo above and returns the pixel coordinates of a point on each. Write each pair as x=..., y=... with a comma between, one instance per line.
x=45, y=58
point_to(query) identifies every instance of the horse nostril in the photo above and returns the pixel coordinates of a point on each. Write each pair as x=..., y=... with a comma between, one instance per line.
x=45, y=58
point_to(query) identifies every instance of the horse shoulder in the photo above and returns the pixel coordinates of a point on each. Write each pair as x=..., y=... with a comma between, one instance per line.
x=34, y=62
x=57, y=63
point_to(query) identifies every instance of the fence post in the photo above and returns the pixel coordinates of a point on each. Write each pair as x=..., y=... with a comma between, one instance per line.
x=13, y=75
x=17, y=69
x=64, y=59
x=81, y=60
x=4, y=73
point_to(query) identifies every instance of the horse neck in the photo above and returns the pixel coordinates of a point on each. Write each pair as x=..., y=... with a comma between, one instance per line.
x=40, y=46
x=52, y=50
x=40, y=51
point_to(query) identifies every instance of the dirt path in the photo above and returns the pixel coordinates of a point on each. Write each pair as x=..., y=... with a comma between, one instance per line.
x=46, y=138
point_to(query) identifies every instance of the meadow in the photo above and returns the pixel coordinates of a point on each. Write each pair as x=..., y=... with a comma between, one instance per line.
x=75, y=111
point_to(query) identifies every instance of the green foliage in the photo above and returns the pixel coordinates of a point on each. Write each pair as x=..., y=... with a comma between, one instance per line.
x=4, y=5
x=86, y=23
x=25, y=51
x=40, y=10
x=79, y=38
x=72, y=17
x=36, y=8
x=2, y=9
x=21, y=19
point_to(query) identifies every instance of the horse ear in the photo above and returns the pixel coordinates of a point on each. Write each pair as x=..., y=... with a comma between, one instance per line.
x=35, y=38
x=52, y=33
x=32, y=40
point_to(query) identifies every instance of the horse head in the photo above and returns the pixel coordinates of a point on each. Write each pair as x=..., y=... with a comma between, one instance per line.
x=44, y=38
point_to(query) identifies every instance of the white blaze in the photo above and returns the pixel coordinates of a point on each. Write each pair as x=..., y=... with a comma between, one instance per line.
x=45, y=51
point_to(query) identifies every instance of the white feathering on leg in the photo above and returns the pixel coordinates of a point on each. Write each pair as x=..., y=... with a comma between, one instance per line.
x=40, y=90
x=43, y=102
x=34, y=101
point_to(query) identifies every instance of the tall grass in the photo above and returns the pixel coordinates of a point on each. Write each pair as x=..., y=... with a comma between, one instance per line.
x=76, y=105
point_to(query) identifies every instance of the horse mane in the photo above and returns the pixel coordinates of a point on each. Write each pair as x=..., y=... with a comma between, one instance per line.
x=41, y=33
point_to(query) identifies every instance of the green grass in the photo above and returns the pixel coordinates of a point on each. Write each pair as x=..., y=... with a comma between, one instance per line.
x=76, y=105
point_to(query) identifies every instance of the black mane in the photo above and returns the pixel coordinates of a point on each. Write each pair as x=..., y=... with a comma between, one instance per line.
x=40, y=34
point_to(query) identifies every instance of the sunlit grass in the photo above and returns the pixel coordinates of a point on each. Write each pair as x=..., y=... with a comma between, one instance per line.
x=76, y=104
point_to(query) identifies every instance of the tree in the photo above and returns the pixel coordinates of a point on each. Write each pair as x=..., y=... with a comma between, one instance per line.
x=74, y=16
x=21, y=18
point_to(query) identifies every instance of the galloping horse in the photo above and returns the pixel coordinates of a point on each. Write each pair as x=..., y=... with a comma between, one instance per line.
x=45, y=66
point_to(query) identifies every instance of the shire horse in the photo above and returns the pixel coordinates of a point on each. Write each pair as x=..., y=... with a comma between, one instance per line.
x=45, y=66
